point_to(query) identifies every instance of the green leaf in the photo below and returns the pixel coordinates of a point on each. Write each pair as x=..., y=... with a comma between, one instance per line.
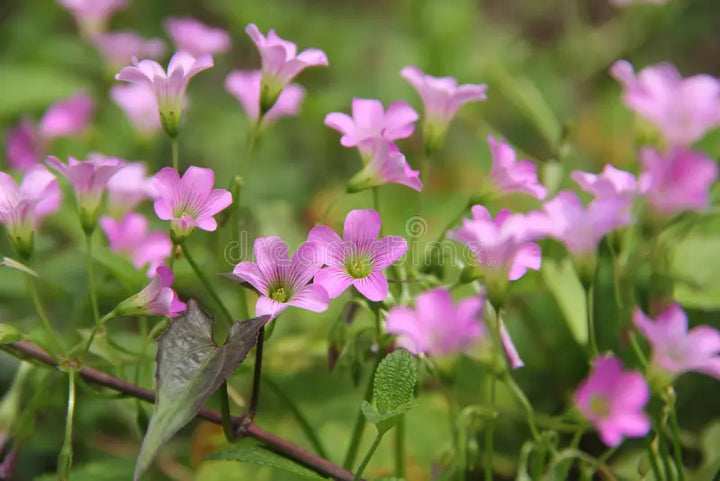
x=248, y=451
x=19, y=266
x=107, y=470
x=563, y=282
x=698, y=273
x=9, y=334
x=103, y=348
x=190, y=367
x=384, y=422
x=394, y=382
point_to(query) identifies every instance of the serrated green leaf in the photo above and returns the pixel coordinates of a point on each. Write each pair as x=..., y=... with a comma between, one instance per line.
x=108, y=470
x=249, y=451
x=190, y=367
x=394, y=382
x=9, y=334
x=386, y=421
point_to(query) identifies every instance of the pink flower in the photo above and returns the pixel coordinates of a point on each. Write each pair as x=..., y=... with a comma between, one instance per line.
x=23, y=207
x=157, y=299
x=386, y=166
x=23, y=146
x=581, y=229
x=677, y=181
x=436, y=326
x=626, y=3
x=507, y=175
x=280, y=63
x=139, y=104
x=128, y=187
x=683, y=109
x=677, y=350
x=88, y=179
x=67, y=117
x=92, y=15
x=282, y=282
x=501, y=247
x=370, y=123
x=118, y=48
x=189, y=201
x=197, y=38
x=442, y=97
x=244, y=85
x=359, y=258
x=611, y=183
x=130, y=236
x=613, y=401
x=169, y=88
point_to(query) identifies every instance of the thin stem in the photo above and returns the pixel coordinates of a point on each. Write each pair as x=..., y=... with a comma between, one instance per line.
x=489, y=433
x=299, y=417
x=206, y=282
x=331, y=205
x=175, y=155
x=520, y=395
x=235, y=226
x=66, y=452
x=592, y=342
x=93, y=332
x=227, y=426
x=376, y=198
x=565, y=467
x=677, y=448
x=453, y=221
x=91, y=278
x=359, y=426
x=52, y=336
x=652, y=457
x=368, y=456
x=257, y=373
x=252, y=138
x=400, y=448
x=638, y=352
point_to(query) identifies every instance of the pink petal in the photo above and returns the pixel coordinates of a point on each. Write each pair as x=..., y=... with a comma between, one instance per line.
x=374, y=286
x=334, y=279
x=362, y=227
x=271, y=252
x=249, y=272
x=311, y=297
x=387, y=250
x=267, y=307
x=327, y=241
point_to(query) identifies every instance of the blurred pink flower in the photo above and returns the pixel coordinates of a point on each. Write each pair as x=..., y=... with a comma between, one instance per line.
x=129, y=236
x=156, y=299
x=683, y=109
x=128, y=187
x=626, y=3
x=169, y=88
x=92, y=15
x=139, y=104
x=386, y=166
x=189, y=201
x=613, y=401
x=436, y=326
x=359, y=257
x=23, y=207
x=118, y=48
x=509, y=348
x=244, y=85
x=677, y=350
x=197, y=38
x=442, y=97
x=280, y=63
x=23, y=146
x=501, y=247
x=611, y=182
x=507, y=175
x=369, y=123
x=282, y=282
x=677, y=181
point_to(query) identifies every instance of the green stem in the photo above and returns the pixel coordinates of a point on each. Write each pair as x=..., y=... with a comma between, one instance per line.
x=299, y=417
x=489, y=433
x=66, y=452
x=91, y=278
x=677, y=448
x=369, y=455
x=453, y=221
x=52, y=336
x=93, y=332
x=376, y=198
x=252, y=138
x=331, y=205
x=235, y=226
x=520, y=395
x=226, y=416
x=652, y=457
x=638, y=352
x=564, y=468
x=400, y=448
x=257, y=373
x=206, y=282
x=359, y=427
x=592, y=341
x=175, y=155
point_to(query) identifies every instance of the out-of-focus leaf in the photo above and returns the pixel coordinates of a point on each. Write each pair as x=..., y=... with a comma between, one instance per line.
x=9, y=334
x=33, y=87
x=563, y=282
x=19, y=266
x=107, y=470
x=190, y=367
x=248, y=451
x=120, y=267
x=103, y=348
x=697, y=273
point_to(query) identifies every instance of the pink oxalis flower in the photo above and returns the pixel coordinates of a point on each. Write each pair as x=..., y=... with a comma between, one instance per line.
x=169, y=88
x=613, y=401
x=129, y=236
x=156, y=299
x=436, y=326
x=683, y=109
x=23, y=207
x=359, y=257
x=196, y=38
x=627, y=3
x=676, y=349
x=442, y=97
x=244, y=85
x=282, y=282
x=118, y=48
x=139, y=104
x=128, y=187
x=23, y=146
x=92, y=15
x=370, y=122
x=386, y=166
x=507, y=175
x=189, y=201
x=280, y=63
x=677, y=181
x=612, y=182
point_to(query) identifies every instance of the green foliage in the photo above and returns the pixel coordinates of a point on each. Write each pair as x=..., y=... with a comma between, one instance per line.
x=190, y=367
x=248, y=451
x=393, y=388
x=9, y=334
x=107, y=470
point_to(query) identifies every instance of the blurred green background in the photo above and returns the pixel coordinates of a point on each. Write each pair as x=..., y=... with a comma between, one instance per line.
x=550, y=95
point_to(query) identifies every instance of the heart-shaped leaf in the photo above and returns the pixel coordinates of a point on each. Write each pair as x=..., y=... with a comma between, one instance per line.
x=190, y=367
